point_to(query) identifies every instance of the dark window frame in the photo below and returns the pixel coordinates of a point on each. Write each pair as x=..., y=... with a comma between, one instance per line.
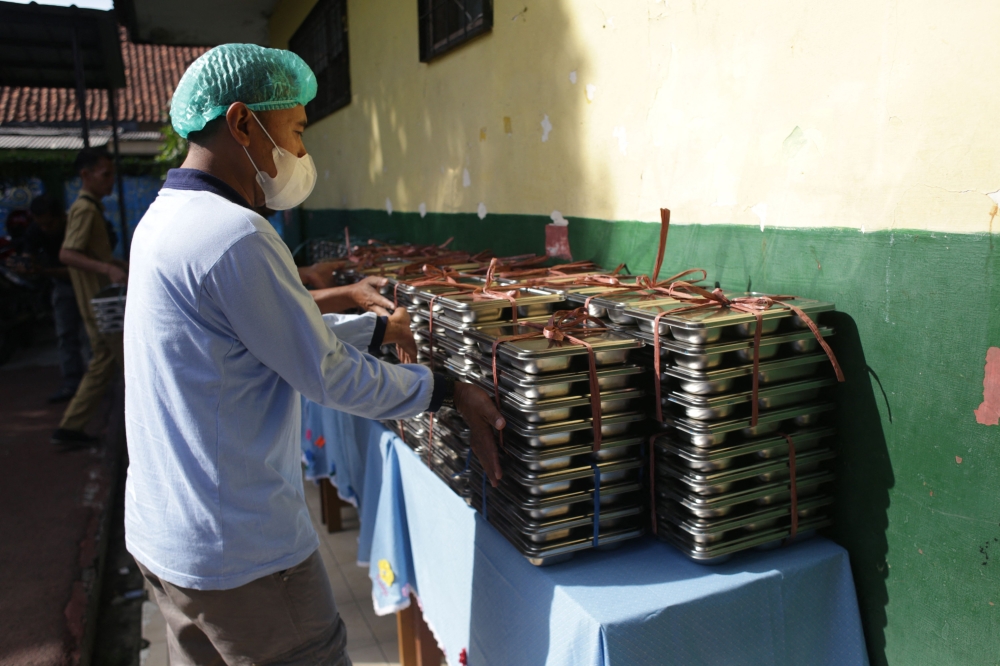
x=447, y=24
x=322, y=42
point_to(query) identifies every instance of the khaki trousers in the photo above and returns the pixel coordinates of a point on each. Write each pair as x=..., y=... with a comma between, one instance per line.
x=286, y=619
x=105, y=366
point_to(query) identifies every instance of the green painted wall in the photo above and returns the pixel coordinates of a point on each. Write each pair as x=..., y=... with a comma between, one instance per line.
x=918, y=311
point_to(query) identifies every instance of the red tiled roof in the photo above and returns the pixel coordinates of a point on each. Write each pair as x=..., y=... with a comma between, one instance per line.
x=151, y=73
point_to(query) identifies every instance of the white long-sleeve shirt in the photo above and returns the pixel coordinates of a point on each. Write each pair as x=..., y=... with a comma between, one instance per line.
x=220, y=339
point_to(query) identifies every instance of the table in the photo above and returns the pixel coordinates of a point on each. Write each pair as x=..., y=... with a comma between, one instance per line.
x=642, y=603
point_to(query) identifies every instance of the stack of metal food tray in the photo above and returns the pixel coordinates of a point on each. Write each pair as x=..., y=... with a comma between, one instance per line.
x=723, y=484
x=442, y=442
x=558, y=495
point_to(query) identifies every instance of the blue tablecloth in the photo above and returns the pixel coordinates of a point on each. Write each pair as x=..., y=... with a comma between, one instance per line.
x=345, y=449
x=642, y=603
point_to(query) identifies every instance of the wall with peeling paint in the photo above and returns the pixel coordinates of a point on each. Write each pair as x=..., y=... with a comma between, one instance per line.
x=842, y=151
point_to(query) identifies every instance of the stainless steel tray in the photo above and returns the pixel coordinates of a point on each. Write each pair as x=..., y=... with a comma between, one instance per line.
x=713, y=382
x=543, y=506
x=542, y=435
x=553, y=553
x=724, y=354
x=614, y=306
x=561, y=457
x=581, y=476
x=715, y=483
x=722, y=458
x=714, y=530
x=708, y=325
x=554, y=410
x=531, y=388
x=459, y=330
x=715, y=407
x=717, y=553
x=764, y=494
x=557, y=528
x=530, y=302
x=539, y=355
x=703, y=434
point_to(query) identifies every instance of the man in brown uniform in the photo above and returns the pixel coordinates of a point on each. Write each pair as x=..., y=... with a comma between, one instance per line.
x=86, y=250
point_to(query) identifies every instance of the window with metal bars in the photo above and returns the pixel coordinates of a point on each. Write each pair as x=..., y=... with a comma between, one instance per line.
x=445, y=24
x=321, y=41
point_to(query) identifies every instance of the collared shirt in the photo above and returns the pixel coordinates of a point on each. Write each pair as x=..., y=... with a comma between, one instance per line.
x=220, y=339
x=87, y=232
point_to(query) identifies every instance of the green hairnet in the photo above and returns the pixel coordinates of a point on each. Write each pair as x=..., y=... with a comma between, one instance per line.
x=263, y=79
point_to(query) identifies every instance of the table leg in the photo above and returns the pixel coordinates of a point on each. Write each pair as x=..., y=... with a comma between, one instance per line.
x=417, y=646
x=331, y=507
x=404, y=631
x=322, y=502
x=428, y=652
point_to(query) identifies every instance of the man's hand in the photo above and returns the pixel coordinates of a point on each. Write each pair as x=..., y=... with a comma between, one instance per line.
x=116, y=274
x=366, y=295
x=481, y=414
x=397, y=331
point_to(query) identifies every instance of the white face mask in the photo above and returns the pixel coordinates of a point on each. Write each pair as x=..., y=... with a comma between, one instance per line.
x=294, y=181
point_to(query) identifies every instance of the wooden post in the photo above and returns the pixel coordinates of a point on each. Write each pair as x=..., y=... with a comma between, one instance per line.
x=404, y=631
x=331, y=507
x=417, y=646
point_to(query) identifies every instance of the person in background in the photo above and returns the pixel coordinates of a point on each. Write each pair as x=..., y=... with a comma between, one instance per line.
x=41, y=242
x=86, y=250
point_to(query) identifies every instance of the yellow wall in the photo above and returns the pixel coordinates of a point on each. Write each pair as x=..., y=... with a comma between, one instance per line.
x=870, y=114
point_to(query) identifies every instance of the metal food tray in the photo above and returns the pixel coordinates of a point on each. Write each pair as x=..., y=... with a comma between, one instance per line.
x=718, y=553
x=708, y=434
x=738, y=352
x=543, y=506
x=540, y=355
x=715, y=407
x=715, y=459
x=531, y=388
x=542, y=435
x=707, y=325
x=712, y=382
x=556, y=458
x=764, y=494
x=530, y=302
x=613, y=306
x=459, y=330
x=554, y=528
x=541, y=555
x=563, y=480
x=806, y=462
x=705, y=531
x=554, y=410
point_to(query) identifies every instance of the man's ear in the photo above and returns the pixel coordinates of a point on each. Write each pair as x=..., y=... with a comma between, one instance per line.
x=238, y=119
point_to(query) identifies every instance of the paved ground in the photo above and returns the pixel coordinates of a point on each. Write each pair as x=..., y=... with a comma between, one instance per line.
x=50, y=523
x=371, y=640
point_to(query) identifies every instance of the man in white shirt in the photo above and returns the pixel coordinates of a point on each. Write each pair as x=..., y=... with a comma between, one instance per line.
x=220, y=339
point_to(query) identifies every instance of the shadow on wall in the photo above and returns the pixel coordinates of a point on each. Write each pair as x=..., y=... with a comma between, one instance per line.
x=864, y=477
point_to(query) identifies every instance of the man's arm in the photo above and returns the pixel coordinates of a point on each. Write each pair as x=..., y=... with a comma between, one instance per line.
x=363, y=295
x=256, y=288
x=82, y=262
x=79, y=226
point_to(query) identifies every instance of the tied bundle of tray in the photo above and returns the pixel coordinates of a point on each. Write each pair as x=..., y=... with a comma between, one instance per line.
x=442, y=442
x=572, y=451
x=743, y=393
